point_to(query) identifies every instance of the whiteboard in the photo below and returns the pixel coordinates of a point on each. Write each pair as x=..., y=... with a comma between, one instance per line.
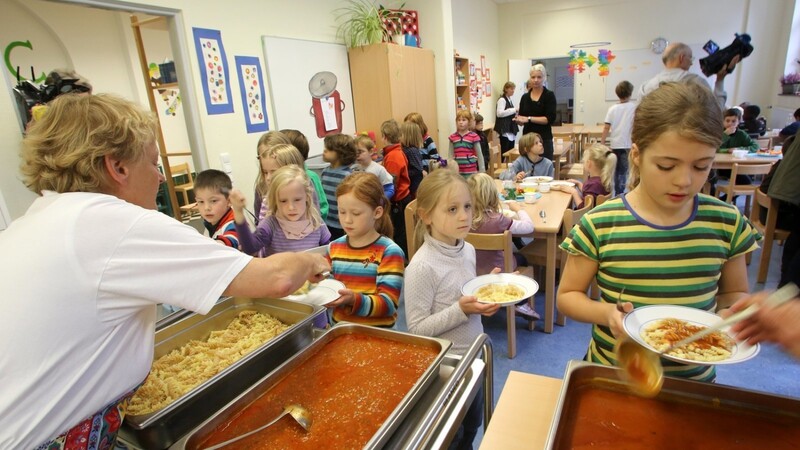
x=640, y=65
x=291, y=63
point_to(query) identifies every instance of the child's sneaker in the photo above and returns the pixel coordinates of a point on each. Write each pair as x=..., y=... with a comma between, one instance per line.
x=527, y=312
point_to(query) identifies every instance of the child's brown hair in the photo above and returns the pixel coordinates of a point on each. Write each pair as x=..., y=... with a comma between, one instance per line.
x=527, y=141
x=299, y=140
x=215, y=180
x=417, y=119
x=344, y=147
x=367, y=188
x=391, y=131
x=410, y=135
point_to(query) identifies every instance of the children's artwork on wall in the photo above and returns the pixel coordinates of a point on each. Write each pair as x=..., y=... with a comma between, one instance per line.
x=171, y=99
x=487, y=88
x=483, y=65
x=472, y=70
x=213, y=70
x=251, y=85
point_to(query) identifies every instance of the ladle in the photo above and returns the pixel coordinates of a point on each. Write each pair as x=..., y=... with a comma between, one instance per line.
x=641, y=366
x=298, y=413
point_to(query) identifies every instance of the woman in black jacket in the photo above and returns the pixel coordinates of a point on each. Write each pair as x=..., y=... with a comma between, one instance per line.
x=537, y=109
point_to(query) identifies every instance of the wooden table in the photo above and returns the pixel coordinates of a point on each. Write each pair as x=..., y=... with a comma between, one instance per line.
x=554, y=204
x=513, y=154
x=524, y=412
x=726, y=160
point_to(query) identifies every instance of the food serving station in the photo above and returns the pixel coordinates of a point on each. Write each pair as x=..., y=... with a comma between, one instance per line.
x=428, y=416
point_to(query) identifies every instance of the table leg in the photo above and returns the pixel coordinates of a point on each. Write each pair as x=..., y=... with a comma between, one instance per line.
x=511, y=326
x=557, y=168
x=550, y=284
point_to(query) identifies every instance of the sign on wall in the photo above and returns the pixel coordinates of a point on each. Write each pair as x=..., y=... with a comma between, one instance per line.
x=251, y=85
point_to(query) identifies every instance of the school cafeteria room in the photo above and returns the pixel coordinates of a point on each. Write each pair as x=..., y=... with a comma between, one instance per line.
x=633, y=155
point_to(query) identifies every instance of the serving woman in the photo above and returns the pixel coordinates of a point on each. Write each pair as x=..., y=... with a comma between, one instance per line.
x=84, y=268
x=537, y=109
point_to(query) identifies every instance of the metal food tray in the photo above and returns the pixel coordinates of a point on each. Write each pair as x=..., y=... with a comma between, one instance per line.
x=384, y=433
x=581, y=375
x=160, y=429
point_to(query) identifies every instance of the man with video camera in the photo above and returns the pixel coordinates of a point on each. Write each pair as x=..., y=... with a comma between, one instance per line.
x=677, y=60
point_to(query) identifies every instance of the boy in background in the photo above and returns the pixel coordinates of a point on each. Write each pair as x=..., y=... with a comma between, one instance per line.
x=340, y=153
x=619, y=122
x=211, y=189
x=484, y=141
x=300, y=142
x=396, y=163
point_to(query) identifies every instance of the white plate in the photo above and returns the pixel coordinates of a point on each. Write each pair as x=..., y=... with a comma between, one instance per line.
x=323, y=293
x=560, y=185
x=527, y=284
x=636, y=321
x=538, y=179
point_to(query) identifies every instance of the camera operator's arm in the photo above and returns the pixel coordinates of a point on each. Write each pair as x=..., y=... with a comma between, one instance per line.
x=719, y=84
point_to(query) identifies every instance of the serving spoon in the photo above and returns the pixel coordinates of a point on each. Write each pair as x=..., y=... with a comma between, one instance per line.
x=298, y=413
x=641, y=366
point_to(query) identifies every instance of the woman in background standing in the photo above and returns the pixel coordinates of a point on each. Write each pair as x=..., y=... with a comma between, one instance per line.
x=504, y=125
x=537, y=109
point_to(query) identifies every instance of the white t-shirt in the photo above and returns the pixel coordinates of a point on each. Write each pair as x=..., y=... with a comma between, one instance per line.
x=620, y=117
x=379, y=171
x=81, y=276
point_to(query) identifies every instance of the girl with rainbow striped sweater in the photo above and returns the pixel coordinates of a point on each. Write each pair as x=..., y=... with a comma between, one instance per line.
x=465, y=146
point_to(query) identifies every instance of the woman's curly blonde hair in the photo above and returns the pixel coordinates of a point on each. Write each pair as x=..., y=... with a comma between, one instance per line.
x=65, y=150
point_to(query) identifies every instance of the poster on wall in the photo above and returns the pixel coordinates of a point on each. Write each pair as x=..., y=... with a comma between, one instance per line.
x=213, y=70
x=251, y=85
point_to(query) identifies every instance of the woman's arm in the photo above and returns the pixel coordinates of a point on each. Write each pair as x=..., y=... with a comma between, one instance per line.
x=573, y=301
x=278, y=275
x=501, y=108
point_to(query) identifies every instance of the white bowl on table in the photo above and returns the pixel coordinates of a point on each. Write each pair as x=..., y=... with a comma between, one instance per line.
x=739, y=153
x=528, y=187
x=544, y=188
x=538, y=179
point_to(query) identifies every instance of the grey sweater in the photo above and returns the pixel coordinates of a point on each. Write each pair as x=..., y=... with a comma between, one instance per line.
x=431, y=289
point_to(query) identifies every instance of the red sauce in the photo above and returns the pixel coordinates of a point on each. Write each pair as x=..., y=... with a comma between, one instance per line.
x=605, y=419
x=350, y=387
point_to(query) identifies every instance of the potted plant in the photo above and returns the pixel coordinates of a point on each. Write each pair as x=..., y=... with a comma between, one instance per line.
x=361, y=23
x=790, y=83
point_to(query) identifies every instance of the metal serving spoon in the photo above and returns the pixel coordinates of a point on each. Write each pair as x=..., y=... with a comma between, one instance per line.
x=642, y=366
x=298, y=413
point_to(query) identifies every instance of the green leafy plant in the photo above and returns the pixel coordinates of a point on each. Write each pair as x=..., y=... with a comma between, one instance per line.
x=361, y=23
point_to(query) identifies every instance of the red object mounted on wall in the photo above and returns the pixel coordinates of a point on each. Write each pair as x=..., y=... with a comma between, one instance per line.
x=325, y=97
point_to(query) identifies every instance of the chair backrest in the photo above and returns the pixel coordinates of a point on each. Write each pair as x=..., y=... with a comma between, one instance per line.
x=749, y=169
x=602, y=199
x=181, y=170
x=501, y=242
x=411, y=225
x=771, y=205
x=495, y=158
x=571, y=217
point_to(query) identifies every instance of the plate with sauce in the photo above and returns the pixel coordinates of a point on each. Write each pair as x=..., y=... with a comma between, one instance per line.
x=321, y=294
x=640, y=319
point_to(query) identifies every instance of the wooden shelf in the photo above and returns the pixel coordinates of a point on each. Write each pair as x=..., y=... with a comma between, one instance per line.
x=461, y=69
x=167, y=86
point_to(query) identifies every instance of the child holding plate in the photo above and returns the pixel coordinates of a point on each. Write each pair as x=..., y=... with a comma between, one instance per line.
x=663, y=243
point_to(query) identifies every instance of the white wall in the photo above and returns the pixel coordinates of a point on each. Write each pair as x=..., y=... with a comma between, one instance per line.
x=547, y=28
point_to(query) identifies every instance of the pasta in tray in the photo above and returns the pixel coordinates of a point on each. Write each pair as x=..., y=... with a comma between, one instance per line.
x=716, y=346
x=499, y=293
x=185, y=367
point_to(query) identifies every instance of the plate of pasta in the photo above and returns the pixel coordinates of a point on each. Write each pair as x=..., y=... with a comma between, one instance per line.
x=658, y=326
x=501, y=288
x=320, y=293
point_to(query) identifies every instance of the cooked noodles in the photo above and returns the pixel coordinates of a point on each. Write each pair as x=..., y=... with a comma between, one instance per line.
x=661, y=334
x=499, y=293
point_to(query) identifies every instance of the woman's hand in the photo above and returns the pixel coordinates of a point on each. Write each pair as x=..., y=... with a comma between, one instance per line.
x=521, y=119
x=470, y=305
x=781, y=324
x=346, y=297
x=615, y=316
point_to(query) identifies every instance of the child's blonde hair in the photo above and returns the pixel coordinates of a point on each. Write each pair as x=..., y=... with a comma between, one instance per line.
x=527, y=141
x=687, y=108
x=431, y=190
x=266, y=142
x=366, y=142
x=390, y=131
x=280, y=179
x=410, y=135
x=485, y=198
x=417, y=119
x=367, y=188
x=446, y=164
x=463, y=114
x=605, y=160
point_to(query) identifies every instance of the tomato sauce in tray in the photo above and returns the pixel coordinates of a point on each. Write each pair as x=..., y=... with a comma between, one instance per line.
x=608, y=419
x=350, y=387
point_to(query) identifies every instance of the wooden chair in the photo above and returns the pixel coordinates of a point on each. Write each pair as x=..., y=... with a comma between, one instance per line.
x=496, y=166
x=184, y=187
x=572, y=171
x=411, y=223
x=764, y=143
x=767, y=229
x=502, y=242
x=731, y=189
x=601, y=199
x=536, y=251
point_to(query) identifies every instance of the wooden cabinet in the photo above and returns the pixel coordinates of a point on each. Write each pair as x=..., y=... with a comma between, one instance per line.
x=389, y=81
x=461, y=66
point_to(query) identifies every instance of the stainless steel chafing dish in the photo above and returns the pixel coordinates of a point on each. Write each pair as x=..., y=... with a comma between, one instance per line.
x=384, y=433
x=160, y=429
x=680, y=404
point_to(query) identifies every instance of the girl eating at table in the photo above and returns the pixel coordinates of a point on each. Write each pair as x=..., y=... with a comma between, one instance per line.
x=530, y=163
x=662, y=243
x=599, y=164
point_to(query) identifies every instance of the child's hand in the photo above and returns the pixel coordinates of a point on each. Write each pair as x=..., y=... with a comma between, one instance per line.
x=519, y=177
x=514, y=206
x=347, y=297
x=730, y=130
x=470, y=305
x=237, y=200
x=616, y=314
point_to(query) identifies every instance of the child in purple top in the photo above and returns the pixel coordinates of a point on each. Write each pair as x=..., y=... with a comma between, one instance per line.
x=293, y=222
x=488, y=218
x=599, y=164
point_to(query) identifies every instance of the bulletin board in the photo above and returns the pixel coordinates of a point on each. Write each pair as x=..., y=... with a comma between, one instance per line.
x=640, y=65
x=291, y=65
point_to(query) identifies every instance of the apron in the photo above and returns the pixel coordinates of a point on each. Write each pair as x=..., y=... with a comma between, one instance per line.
x=97, y=432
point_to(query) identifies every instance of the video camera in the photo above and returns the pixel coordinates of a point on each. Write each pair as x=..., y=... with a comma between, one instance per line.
x=717, y=59
x=28, y=95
